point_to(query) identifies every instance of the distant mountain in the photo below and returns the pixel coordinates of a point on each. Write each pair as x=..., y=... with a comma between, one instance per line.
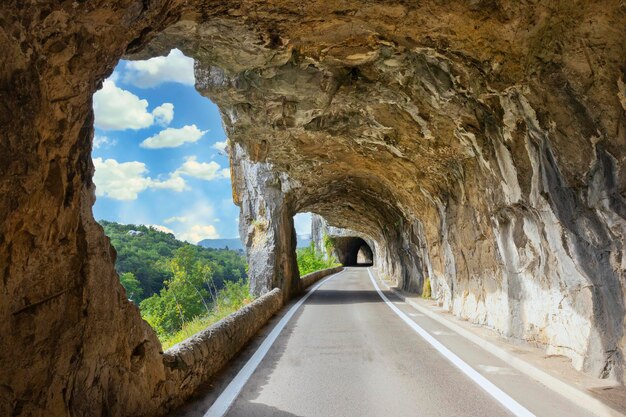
x=232, y=244
x=304, y=240
x=235, y=244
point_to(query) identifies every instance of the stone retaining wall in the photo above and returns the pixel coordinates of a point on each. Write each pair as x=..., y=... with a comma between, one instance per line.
x=196, y=360
x=309, y=279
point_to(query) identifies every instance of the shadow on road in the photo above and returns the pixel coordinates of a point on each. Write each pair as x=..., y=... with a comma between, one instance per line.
x=261, y=410
x=323, y=297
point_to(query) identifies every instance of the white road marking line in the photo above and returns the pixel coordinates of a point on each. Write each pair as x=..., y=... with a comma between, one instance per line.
x=443, y=333
x=499, y=395
x=228, y=396
x=416, y=315
x=497, y=370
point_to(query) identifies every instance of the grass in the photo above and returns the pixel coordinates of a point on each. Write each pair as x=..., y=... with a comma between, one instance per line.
x=231, y=298
x=426, y=293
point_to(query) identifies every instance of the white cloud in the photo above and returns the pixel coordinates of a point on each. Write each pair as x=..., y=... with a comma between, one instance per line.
x=175, y=219
x=161, y=228
x=118, y=109
x=125, y=180
x=203, y=170
x=174, y=183
x=175, y=67
x=196, y=221
x=221, y=147
x=164, y=114
x=173, y=137
x=198, y=232
x=100, y=141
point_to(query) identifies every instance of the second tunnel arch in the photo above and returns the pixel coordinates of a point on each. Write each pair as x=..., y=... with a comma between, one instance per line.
x=353, y=251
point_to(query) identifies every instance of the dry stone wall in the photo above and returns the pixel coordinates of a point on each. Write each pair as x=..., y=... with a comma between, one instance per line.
x=310, y=279
x=196, y=360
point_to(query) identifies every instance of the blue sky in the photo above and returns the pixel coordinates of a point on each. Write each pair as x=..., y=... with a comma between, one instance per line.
x=160, y=153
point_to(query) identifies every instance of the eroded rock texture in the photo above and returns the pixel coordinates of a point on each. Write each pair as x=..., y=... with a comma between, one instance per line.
x=349, y=247
x=479, y=143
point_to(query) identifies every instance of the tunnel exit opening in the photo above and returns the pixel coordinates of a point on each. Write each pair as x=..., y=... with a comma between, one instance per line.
x=353, y=251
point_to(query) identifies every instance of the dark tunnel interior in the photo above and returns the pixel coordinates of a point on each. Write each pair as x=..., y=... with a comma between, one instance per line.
x=353, y=251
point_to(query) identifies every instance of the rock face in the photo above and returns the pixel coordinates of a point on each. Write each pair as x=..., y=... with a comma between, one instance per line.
x=349, y=247
x=479, y=143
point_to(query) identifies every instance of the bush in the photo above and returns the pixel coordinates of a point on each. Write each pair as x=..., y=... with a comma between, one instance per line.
x=310, y=260
x=231, y=298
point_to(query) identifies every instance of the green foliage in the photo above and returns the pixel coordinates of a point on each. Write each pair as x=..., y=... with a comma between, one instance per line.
x=426, y=293
x=189, y=293
x=310, y=260
x=132, y=286
x=230, y=299
x=329, y=245
x=143, y=255
x=180, y=288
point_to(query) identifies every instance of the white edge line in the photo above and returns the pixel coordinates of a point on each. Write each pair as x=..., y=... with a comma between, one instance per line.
x=228, y=396
x=499, y=395
x=573, y=394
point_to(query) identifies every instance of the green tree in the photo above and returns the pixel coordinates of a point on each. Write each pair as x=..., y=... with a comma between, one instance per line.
x=189, y=293
x=143, y=254
x=310, y=260
x=132, y=286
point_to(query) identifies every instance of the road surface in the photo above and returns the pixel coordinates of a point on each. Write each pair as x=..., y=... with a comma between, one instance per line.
x=345, y=352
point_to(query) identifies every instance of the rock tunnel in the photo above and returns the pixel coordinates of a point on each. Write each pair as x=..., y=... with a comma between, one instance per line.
x=353, y=251
x=479, y=144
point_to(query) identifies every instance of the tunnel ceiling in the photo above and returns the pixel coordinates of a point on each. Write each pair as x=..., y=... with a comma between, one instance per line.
x=398, y=104
x=463, y=138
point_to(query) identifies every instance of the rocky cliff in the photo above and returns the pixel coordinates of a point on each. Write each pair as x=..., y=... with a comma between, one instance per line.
x=480, y=143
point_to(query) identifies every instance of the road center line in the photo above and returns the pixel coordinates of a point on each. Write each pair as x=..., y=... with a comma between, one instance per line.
x=228, y=396
x=499, y=395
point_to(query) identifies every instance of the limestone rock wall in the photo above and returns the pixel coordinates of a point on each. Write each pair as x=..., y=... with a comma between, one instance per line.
x=479, y=143
x=70, y=341
x=266, y=224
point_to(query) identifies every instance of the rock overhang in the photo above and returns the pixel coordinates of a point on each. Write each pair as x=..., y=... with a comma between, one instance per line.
x=480, y=144
x=418, y=137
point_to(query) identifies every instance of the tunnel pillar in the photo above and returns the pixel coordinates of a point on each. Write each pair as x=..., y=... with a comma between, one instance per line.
x=265, y=225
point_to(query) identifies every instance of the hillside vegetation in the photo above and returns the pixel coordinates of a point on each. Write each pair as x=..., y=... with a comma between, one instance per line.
x=142, y=250
x=180, y=288
x=310, y=260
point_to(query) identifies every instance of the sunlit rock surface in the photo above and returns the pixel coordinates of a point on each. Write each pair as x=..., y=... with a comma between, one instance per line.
x=479, y=143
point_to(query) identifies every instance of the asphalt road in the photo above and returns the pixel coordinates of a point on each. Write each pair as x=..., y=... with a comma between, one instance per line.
x=346, y=353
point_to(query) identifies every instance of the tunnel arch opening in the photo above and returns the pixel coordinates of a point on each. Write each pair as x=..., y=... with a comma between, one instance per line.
x=353, y=251
x=47, y=105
